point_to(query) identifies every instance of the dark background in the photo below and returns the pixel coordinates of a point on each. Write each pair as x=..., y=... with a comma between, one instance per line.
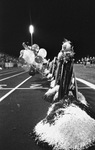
x=53, y=20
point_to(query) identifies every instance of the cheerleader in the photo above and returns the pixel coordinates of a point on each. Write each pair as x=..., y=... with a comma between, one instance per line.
x=69, y=123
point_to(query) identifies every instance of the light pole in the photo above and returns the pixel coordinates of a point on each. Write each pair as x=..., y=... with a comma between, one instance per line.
x=31, y=30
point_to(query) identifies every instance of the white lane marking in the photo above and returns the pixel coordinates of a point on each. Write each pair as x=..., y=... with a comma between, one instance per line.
x=8, y=70
x=84, y=88
x=3, y=97
x=35, y=85
x=26, y=88
x=34, y=88
x=1, y=85
x=8, y=73
x=12, y=76
x=86, y=83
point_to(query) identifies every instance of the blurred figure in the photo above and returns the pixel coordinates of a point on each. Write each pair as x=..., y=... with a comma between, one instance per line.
x=35, y=48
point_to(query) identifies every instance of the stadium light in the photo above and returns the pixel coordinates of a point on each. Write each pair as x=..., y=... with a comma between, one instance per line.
x=31, y=30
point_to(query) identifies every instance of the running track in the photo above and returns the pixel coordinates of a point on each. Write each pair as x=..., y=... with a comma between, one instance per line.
x=22, y=107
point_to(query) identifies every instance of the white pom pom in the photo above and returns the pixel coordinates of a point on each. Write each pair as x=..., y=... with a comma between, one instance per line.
x=28, y=56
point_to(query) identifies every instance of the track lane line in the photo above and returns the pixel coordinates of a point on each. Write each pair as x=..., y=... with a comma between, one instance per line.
x=34, y=88
x=28, y=88
x=9, y=72
x=86, y=83
x=12, y=76
x=6, y=95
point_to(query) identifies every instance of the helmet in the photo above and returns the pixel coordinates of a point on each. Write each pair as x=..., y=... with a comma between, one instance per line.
x=35, y=47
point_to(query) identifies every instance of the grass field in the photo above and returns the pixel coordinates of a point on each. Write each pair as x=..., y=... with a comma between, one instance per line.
x=85, y=72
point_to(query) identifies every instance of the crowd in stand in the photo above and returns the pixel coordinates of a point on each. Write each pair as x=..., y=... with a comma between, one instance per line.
x=7, y=61
x=87, y=60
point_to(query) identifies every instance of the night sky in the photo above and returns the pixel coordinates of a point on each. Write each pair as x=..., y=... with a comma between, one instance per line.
x=53, y=20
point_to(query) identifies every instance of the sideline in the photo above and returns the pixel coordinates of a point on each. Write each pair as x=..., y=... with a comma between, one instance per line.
x=33, y=88
x=9, y=72
x=86, y=82
x=3, y=97
x=13, y=76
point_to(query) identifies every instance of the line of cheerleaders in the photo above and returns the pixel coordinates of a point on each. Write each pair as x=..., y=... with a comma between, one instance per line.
x=70, y=121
